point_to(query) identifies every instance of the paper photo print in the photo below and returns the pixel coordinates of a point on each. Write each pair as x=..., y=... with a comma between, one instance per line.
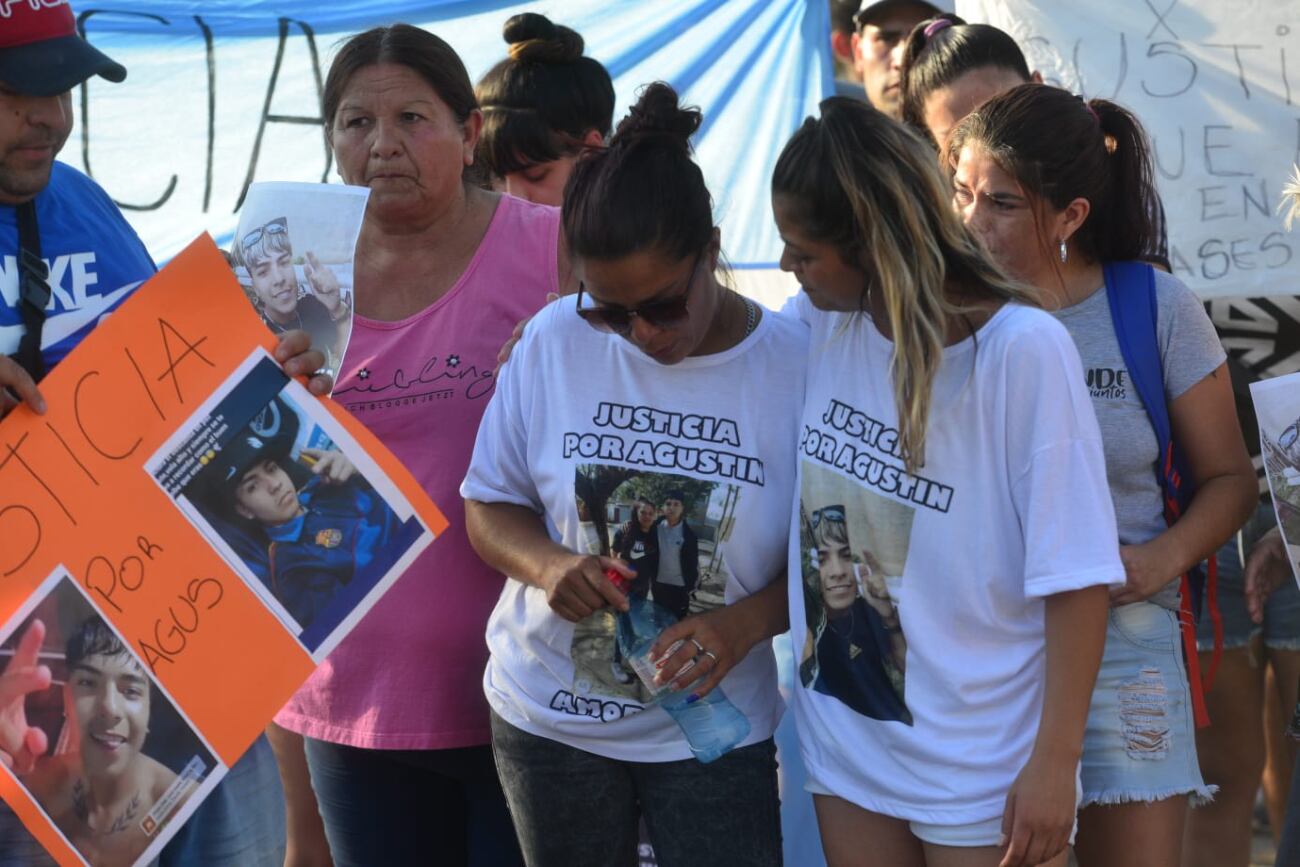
x=853, y=550
x=671, y=530
x=102, y=750
x=293, y=254
x=292, y=502
x=1277, y=409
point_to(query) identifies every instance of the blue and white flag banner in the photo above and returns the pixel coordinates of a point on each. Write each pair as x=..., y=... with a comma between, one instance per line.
x=224, y=93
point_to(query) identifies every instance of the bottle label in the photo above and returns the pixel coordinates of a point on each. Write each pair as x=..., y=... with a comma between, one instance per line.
x=644, y=666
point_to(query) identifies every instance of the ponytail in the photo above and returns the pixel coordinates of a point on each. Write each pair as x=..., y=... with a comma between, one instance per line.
x=943, y=49
x=1096, y=150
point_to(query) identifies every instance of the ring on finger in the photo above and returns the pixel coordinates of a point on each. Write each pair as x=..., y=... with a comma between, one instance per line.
x=711, y=655
x=699, y=648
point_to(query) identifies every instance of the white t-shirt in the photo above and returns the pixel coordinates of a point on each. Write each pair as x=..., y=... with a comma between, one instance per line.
x=916, y=601
x=581, y=413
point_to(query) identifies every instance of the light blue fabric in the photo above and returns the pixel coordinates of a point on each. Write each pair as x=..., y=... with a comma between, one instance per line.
x=1139, y=744
x=799, y=836
x=757, y=68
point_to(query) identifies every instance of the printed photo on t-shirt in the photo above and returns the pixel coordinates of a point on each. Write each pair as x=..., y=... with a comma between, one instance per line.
x=853, y=545
x=670, y=530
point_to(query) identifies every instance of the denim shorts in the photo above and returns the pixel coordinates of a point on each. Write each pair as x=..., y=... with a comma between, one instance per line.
x=1140, y=745
x=1281, y=627
x=573, y=808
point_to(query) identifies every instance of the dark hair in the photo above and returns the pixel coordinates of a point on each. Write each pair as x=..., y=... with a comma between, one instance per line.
x=1096, y=151
x=643, y=191
x=676, y=494
x=419, y=50
x=92, y=638
x=936, y=55
x=540, y=101
x=842, y=14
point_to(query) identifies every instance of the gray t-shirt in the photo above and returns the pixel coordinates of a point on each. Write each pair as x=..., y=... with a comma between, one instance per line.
x=671, y=540
x=1189, y=351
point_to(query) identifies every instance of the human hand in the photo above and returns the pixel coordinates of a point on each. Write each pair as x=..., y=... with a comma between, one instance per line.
x=17, y=386
x=331, y=465
x=20, y=744
x=874, y=589
x=1040, y=812
x=297, y=358
x=324, y=283
x=1146, y=569
x=576, y=585
x=1266, y=569
x=503, y=355
x=699, y=651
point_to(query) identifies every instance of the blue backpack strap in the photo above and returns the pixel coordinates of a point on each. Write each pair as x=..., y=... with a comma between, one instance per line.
x=1131, y=292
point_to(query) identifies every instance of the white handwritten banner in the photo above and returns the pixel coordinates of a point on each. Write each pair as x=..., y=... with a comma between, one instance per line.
x=1216, y=83
x=221, y=94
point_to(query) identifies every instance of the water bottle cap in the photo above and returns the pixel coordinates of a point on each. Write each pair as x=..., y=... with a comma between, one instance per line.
x=618, y=579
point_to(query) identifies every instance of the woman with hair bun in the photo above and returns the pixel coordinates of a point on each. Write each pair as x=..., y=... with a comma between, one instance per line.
x=542, y=106
x=1073, y=213
x=654, y=378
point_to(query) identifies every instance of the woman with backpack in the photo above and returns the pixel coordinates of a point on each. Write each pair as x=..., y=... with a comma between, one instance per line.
x=1074, y=214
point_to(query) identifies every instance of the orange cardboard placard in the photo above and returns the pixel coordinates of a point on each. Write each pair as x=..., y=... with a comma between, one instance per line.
x=102, y=498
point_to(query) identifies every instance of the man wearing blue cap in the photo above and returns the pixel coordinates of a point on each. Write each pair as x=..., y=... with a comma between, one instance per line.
x=67, y=258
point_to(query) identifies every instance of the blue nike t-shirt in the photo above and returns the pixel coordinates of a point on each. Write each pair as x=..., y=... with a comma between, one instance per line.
x=95, y=261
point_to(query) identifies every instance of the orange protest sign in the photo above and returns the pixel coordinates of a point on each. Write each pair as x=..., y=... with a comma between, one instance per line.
x=185, y=533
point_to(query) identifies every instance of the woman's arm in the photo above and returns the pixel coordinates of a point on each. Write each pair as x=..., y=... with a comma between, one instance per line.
x=1205, y=426
x=512, y=539
x=1041, y=804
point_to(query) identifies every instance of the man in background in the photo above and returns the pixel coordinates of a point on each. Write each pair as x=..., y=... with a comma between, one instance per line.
x=880, y=32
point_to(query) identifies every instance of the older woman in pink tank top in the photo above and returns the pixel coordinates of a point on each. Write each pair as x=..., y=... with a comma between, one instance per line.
x=395, y=724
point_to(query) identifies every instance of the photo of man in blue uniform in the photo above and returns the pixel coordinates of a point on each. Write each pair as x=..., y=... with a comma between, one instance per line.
x=309, y=527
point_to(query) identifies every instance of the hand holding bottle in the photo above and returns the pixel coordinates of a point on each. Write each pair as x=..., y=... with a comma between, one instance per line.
x=699, y=651
x=576, y=584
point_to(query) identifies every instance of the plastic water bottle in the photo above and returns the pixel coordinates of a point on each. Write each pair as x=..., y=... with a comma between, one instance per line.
x=712, y=724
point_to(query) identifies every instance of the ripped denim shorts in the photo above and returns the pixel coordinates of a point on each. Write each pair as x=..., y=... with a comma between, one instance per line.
x=1140, y=744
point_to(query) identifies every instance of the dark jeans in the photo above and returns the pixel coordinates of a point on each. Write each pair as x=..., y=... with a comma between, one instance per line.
x=576, y=809
x=400, y=807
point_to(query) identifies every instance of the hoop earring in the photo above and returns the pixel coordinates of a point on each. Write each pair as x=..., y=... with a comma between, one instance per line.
x=1064, y=253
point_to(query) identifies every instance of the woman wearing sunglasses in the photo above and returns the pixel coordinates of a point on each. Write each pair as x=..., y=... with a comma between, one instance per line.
x=654, y=378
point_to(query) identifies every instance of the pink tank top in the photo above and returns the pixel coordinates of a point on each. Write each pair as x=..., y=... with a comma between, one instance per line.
x=410, y=676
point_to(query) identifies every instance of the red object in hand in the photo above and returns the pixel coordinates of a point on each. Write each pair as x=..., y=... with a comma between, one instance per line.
x=618, y=579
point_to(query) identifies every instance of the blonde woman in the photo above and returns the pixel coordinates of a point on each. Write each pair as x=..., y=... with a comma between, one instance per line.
x=946, y=415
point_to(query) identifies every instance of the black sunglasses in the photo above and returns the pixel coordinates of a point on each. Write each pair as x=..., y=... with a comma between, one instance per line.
x=830, y=513
x=660, y=314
